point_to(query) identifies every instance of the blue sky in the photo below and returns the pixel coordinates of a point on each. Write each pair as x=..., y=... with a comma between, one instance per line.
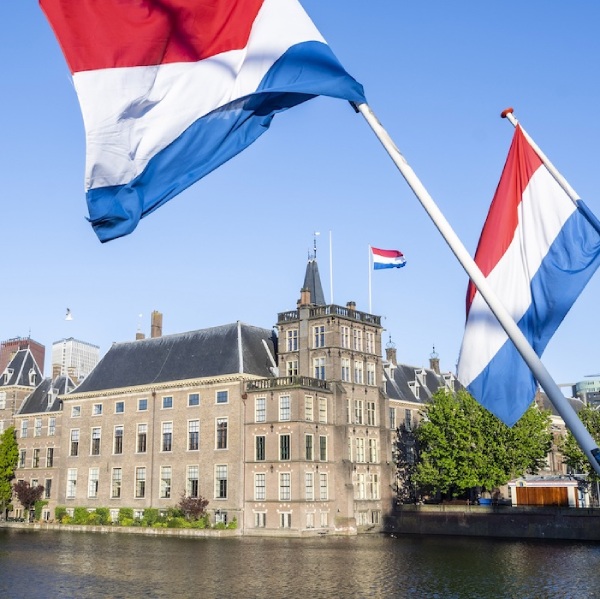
x=234, y=246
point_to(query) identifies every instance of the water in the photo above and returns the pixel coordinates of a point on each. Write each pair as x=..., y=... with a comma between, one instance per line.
x=48, y=564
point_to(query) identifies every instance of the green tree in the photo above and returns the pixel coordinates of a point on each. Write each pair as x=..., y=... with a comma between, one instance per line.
x=28, y=494
x=463, y=445
x=573, y=457
x=9, y=455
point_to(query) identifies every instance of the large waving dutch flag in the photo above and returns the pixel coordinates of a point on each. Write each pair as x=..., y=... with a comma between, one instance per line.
x=172, y=89
x=538, y=249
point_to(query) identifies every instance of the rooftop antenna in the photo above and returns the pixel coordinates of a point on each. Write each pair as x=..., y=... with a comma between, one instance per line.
x=315, y=235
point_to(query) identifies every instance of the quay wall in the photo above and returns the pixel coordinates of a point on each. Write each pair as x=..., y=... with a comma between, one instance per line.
x=519, y=522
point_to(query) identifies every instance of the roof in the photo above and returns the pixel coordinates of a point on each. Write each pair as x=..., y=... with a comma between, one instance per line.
x=45, y=396
x=21, y=371
x=414, y=383
x=312, y=282
x=228, y=349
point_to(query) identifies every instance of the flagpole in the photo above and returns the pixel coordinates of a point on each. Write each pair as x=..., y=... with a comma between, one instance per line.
x=558, y=400
x=330, y=268
x=370, y=266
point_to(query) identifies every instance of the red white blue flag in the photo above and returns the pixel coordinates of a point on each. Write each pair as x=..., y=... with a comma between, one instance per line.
x=387, y=258
x=538, y=249
x=172, y=89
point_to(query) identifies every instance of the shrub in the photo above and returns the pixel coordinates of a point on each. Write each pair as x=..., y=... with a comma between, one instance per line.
x=151, y=516
x=232, y=524
x=103, y=515
x=178, y=522
x=80, y=515
x=192, y=508
x=60, y=512
x=38, y=506
x=126, y=513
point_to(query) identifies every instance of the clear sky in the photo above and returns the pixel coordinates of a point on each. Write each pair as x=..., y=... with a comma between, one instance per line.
x=234, y=246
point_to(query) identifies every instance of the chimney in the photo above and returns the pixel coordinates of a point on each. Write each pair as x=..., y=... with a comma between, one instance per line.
x=56, y=370
x=351, y=306
x=305, y=297
x=390, y=355
x=434, y=361
x=139, y=336
x=156, y=324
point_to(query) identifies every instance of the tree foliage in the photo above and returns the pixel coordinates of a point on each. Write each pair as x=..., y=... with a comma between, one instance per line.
x=462, y=445
x=9, y=455
x=573, y=457
x=192, y=508
x=27, y=494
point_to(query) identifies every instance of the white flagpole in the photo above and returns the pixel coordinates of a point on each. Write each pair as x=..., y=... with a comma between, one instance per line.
x=559, y=401
x=330, y=268
x=370, y=266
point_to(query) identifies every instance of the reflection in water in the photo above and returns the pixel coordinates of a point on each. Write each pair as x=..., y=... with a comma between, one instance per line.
x=83, y=565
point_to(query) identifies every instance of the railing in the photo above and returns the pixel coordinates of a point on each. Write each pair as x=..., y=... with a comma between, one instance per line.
x=287, y=381
x=332, y=310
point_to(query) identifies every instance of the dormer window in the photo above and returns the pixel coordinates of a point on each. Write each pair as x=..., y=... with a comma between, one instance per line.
x=420, y=375
x=7, y=375
x=32, y=377
x=414, y=387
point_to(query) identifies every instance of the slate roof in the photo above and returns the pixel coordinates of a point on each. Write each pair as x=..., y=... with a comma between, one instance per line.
x=227, y=349
x=19, y=369
x=312, y=282
x=404, y=382
x=45, y=396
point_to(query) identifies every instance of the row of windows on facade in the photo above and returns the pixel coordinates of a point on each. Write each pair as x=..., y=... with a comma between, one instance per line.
x=349, y=338
x=363, y=518
x=408, y=420
x=357, y=375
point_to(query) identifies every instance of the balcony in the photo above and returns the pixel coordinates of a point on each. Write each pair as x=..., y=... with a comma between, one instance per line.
x=287, y=381
x=331, y=310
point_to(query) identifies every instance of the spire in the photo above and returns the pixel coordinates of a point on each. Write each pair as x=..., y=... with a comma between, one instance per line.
x=312, y=283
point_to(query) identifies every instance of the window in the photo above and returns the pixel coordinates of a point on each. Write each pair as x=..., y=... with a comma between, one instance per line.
x=2, y=426
x=142, y=436
x=371, y=413
x=319, y=336
x=192, y=481
x=392, y=417
x=322, y=409
x=116, y=481
x=357, y=340
x=259, y=487
x=370, y=341
x=346, y=370
x=220, y=517
x=118, y=441
x=2, y=400
x=375, y=517
x=221, y=433
x=319, y=368
x=193, y=435
x=71, y=483
x=140, y=482
x=358, y=411
x=167, y=402
x=260, y=519
x=291, y=368
x=49, y=457
x=24, y=428
x=260, y=448
x=284, y=407
x=345, y=337
x=323, y=448
x=323, y=488
x=119, y=407
x=93, y=477
x=221, y=482
x=373, y=486
x=284, y=447
x=167, y=436
x=360, y=449
x=260, y=405
x=193, y=399
x=408, y=419
x=360, y=486
x=142, y=405
x=75, y=411
x=308, y=444
x=74, y=442
x=309, y=486
x=292, y=340
x=47, y=488
x=373, y=454
x=95, y=448
x=165, y=482
x=285, y=486
x=222, y=396
x=371, y=374
x=358, y=372
x=285, y=520
x=51, y=426
x=22, y=458
x=36, y=458
x=37, y=430
x=308, y=408
x=97, y=409
x=324, y=519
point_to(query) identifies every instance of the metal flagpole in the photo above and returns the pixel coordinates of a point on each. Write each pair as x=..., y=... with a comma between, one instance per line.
x=330, y=268
x=559, y=401
x=370, y=267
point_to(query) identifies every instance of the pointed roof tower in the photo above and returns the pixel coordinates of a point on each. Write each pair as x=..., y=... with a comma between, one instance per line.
x=312, y=279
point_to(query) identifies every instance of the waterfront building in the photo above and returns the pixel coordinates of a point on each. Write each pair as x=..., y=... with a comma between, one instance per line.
x=10, y=347
x=74, y=358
